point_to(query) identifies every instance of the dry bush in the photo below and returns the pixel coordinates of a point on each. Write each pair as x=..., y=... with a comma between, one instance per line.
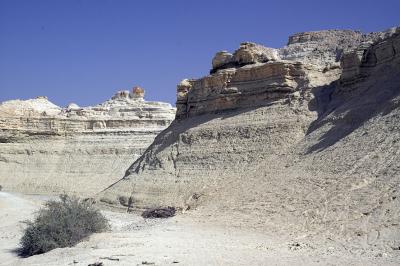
x=60, y=224
x=159, y=213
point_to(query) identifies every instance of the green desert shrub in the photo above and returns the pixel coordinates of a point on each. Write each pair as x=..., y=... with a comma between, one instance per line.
x=61, y=223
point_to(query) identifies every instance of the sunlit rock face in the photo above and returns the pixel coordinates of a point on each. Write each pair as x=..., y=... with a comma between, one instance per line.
x=49, y=149
x=302, y=140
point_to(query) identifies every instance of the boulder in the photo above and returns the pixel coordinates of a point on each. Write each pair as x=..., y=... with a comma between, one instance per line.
x=250, y=53
x=137, y=93
x=222, y=59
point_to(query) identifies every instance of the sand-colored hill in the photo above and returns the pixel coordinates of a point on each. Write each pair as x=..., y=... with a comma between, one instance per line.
x=302, y=141
x=48, y=149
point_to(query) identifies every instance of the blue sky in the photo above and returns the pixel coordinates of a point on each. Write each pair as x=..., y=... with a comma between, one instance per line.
x=83, y=51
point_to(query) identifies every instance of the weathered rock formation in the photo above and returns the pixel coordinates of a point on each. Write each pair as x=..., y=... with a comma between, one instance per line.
x=302, y=140
x=45, y=148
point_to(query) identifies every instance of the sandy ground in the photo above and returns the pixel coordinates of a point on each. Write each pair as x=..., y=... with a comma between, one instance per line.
x=181, y=240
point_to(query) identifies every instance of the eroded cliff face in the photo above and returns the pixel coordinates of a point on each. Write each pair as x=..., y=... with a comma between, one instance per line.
x=48, y=149
x=301, y=140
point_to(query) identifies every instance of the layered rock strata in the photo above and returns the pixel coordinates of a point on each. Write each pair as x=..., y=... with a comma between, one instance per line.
x=301, y=140
x=49, y=149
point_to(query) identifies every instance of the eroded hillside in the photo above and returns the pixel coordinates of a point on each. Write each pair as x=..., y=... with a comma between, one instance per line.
x=48, y=149
x=301, y=140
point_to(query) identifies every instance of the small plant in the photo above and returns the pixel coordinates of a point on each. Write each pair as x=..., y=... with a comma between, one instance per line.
x=125, y=201
x=108, y=201
x=60, y=224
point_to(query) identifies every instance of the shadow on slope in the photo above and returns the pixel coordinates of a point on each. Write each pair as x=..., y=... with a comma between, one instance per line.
x=348, y=111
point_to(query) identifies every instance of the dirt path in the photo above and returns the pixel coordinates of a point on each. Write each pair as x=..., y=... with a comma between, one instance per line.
x=13, y=210
x=181, y=240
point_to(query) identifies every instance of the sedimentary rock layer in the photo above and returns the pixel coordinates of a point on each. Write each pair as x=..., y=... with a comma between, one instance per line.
x=45, y=148
x=303, y=140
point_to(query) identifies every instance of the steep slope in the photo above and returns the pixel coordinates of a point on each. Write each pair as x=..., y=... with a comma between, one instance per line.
x=48, y=149
x=301, y=140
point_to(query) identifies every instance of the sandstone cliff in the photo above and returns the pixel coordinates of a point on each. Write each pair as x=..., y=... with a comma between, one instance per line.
x=301, y=140
x=49, y=149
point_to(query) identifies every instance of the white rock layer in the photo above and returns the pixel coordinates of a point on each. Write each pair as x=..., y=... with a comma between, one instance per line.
x=48, y=149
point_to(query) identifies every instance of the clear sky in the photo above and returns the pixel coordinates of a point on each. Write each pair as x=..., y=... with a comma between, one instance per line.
x=83, y=51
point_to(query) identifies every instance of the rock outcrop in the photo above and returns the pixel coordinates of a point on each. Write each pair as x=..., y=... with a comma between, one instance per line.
x=49, y=149
x=303, y=139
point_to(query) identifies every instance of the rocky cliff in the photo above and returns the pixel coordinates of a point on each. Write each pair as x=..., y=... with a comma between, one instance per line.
x=49, y=149
x=301, y=140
